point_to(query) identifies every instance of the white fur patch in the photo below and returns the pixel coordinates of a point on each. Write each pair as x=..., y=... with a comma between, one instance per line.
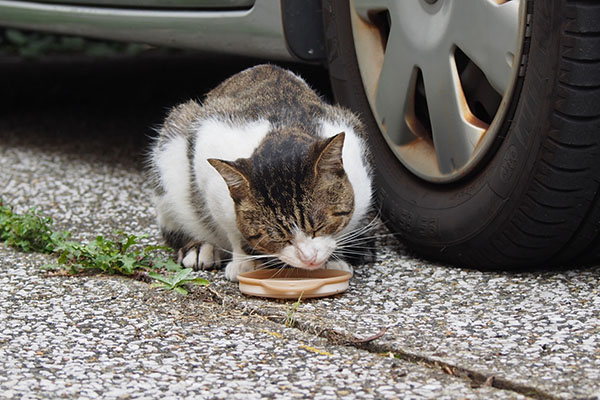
x=221, y=140
x=214, y=139
x=174, y=208
x=234, y=268
x=307, y=252
x=340, y=266
x=206, y=258
x=353, y=157
x=190, y=260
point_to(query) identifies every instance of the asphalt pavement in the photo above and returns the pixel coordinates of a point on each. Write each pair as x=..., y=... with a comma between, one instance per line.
x=73, y=135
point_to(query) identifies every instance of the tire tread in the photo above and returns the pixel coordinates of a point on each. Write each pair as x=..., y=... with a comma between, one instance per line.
x=571, y=189
x=558, y=220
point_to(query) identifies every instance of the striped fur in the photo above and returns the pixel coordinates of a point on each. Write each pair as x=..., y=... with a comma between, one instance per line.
x=262, y=166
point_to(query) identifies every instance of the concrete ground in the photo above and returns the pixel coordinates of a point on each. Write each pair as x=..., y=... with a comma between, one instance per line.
x=72, y=141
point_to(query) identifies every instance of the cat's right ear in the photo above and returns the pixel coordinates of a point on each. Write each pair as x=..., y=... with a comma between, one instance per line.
x=329, y=159
x=237, y=182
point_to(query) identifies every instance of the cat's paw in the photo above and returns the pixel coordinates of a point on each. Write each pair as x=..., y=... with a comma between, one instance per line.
x=339, y=265
x=234, y=268
x=200, y=256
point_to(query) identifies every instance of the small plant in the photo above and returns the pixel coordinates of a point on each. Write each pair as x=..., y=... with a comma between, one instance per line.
x=290, y=313
x=177, y=281
x=27, y=232
x=109, y=256
x=32, y=232
x=38, y=44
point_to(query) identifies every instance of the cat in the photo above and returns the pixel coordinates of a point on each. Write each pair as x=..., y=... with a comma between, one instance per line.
x=262, y=169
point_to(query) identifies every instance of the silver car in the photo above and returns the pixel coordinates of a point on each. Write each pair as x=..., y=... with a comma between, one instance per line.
x=484, y=115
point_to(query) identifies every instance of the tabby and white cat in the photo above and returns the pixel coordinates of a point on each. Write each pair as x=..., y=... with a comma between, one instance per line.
x=263, y=168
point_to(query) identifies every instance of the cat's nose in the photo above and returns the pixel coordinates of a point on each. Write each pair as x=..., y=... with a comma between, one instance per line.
x=307, y=256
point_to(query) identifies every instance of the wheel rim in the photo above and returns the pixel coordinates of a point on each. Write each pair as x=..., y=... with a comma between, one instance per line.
x=439, y=76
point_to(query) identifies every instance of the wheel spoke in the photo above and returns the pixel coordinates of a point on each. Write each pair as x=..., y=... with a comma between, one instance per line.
x=395, y=93
x=488, y=33
x=455, y=130
x=426, y=35
x=364, y=7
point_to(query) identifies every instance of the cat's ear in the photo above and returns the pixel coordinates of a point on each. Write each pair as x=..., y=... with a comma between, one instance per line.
x=238, y=183
x=329, y=159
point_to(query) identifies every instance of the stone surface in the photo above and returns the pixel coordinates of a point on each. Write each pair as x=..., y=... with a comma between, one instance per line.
x=117, y=338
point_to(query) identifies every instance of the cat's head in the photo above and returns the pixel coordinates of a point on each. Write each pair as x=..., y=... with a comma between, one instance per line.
x=292, y=208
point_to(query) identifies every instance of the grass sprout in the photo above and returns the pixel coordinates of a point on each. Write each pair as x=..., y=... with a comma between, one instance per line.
x=176, y=281
x=290, y=312
x=29, y=232
x=124, y=255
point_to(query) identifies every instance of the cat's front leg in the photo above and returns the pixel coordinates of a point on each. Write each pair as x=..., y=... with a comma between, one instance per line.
x=236, y=267
x=199, y=255
x=240, y=263
x=339, y=265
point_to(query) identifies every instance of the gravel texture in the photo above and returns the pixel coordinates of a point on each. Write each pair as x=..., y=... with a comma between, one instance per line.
x=116, y=338
x=535, y=333
x=456, y=333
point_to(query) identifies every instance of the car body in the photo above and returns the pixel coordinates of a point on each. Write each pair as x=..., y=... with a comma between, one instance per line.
x=256, y=28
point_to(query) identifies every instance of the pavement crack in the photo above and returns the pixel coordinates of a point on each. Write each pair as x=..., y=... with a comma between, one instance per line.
x=334, y=337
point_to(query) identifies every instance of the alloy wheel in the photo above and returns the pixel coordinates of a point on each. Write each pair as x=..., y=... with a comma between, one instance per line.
x=439, y=76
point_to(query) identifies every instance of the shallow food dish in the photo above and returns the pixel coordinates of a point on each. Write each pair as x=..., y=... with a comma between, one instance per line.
x=290, y=283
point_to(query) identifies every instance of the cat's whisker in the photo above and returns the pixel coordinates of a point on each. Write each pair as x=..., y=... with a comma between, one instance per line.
x=358, y=241
x=344, y=252
x=357, y=245
x=353, y=233
x=357, y=232
x=359, y=238
x=257, y=243
x=279, y=271
x=248, y=256
x=336, y=257
x=364, y=249
x=373, y=222
x=276, y=271
x=259, y=258
x=269, y=264
x=350, y=252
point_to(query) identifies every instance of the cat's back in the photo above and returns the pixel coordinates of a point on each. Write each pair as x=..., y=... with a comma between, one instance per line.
x=266, y=83
x=266, y=92
x=260, y=93
x=179, y=121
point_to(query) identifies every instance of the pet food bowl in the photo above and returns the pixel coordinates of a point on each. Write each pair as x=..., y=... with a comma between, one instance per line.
x=290, y=283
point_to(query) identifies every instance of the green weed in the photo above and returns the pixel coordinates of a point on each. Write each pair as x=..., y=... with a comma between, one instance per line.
x=32, y=232
x=290, y=312
x=27, y=232
x=176, y=281
x=118, y=256
x=31, y=44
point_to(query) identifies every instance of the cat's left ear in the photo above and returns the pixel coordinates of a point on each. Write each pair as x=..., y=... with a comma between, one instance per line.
x=239, y=186
x=330, y=157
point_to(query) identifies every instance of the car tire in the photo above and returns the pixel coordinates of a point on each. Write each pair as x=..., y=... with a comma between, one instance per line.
x=532, y=200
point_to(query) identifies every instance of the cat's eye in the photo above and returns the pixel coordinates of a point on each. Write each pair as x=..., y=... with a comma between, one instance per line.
x=254, y=237
x=281, y=242
x=273, y=233
x=317, y=230
x=341, y=213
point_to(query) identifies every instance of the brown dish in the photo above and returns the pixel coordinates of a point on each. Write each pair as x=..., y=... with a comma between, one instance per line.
x=290, y=283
